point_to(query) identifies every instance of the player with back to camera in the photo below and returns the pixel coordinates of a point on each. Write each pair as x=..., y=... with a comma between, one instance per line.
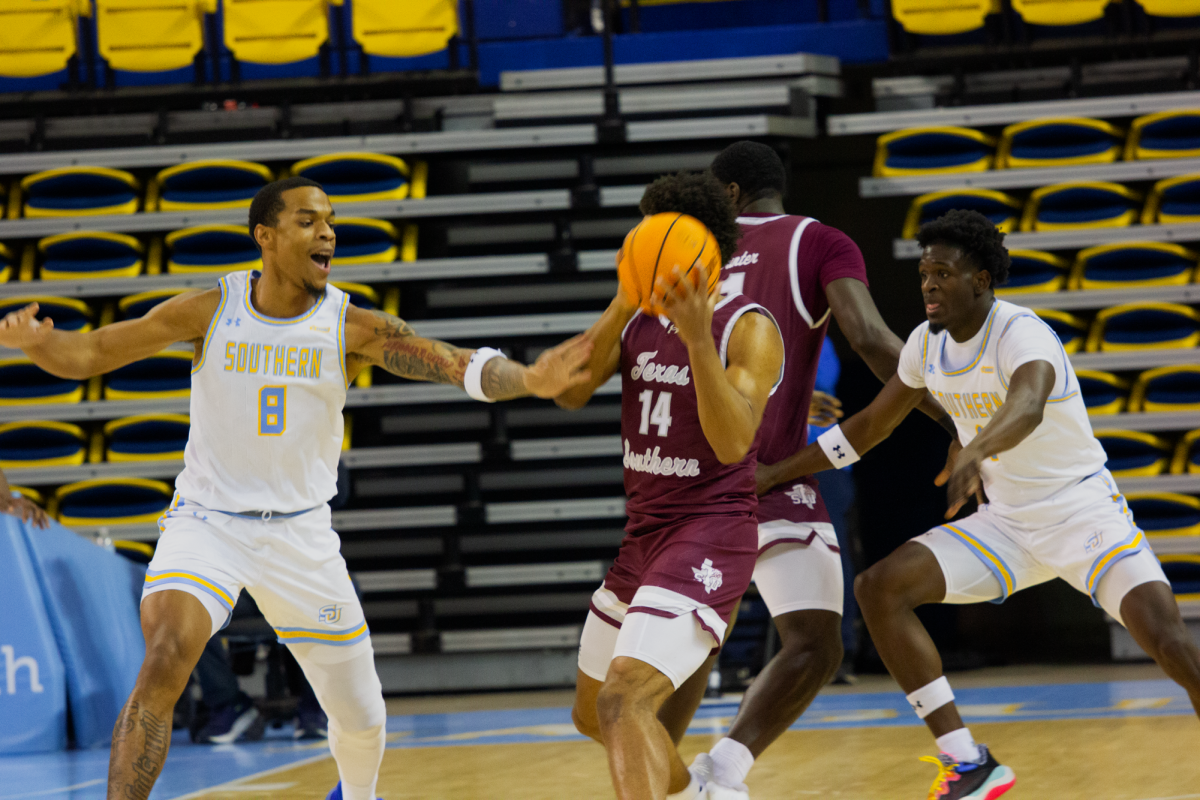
x=803, y=272
x=275, y=352
x=695, y=382
x=1053, y=510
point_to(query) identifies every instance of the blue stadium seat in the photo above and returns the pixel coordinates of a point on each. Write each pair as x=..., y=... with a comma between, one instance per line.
x=365, y=241
x=1081, y=204
x=111, y=501
x=1060, y=142
x=90, y=254
x=212, y=248
x=1134, y=454
x=1183, y=571
x=68, y=313
x=1144, y=326
x=357, y=176
x=1071, y=330
x=1167, y=134
x=206, y=185
x=996, y=206
x=941, y=149
x=136, y=305
x=1173, y=200
x=1103, y=392
x=1165, y=513
x=80, y=191
x=147, y=437
x=1121, y=266
x=168, y=374
x=41, y=444
x=1187, y=455
x=1174, y=388
x=1034, y=271
x=22, y=383
x=38, y=41
x=152, y=43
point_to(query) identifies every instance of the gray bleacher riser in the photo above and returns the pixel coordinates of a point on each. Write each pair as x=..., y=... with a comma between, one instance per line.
x=535, y=574
x=602, y=167
x=1076, y=239
x=442, y=672
x=1103, y=298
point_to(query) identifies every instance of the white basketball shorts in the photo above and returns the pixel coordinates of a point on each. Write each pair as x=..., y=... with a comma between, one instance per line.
x=292, y=567
x=799, y=567
x=1084, y=534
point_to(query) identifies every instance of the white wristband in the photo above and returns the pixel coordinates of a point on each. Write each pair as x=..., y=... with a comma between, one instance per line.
x=471, y=380
x=837, y=447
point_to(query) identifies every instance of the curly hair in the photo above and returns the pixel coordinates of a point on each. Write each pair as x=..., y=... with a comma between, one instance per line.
x=976, y=235
x=755, y=167
x=699, y=195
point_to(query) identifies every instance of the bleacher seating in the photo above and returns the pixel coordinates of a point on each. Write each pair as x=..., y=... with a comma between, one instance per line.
x=943, y=17
x=85, y=255
x=41, y=444
x=275, y=38
x=1167, y=134
x=38, y=42
x=1103, y=392
x=1123, y=266
x=23, y=383
x=115, y=501
x=1140, y=326
x=1059, y=142
x=1173, y=388
x=79, y=191
x=1034, y=271
x=1171, y=8
x=924, y=151
x=1187, y=455
x=142, y=42
x=999, y=207
x=1173, y=200
x=1165, y=513
x=146, y=437
x=1060, y=12
x=203, y=185
x=211, y=248
x=1133, y=454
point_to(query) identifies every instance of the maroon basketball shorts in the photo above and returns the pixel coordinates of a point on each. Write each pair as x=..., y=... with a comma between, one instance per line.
x=668, y=597
x=799, y=563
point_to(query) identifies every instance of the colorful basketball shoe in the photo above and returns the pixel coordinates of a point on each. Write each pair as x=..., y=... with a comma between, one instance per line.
x=336, y=793
x=984, y=779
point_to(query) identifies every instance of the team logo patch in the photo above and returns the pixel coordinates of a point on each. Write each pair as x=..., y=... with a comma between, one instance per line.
x=1094, y=541
x=709, y=575
x=329, y=615
x=803, y=493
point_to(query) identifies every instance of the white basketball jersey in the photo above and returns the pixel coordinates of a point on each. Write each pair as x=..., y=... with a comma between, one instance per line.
x=970, y=380
x=267, y=398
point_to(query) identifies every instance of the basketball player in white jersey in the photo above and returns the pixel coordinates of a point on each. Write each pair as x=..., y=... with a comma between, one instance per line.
x=1053, y=510
x=275, y=352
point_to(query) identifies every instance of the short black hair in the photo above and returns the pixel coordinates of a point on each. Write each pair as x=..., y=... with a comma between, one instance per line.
x=976, y=235
x=698, y=195
x=268, y=202
x=756, y=168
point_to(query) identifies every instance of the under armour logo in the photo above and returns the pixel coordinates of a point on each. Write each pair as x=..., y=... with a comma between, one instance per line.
x=232, y=321
x=709, y=575
x=837, y=448
x=917, y=705
x=929, y=369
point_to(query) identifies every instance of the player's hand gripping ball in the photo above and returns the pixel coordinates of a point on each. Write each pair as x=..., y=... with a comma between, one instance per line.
x=655, y=247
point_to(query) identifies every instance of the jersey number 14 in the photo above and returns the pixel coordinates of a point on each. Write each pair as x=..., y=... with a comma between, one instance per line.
x=660, y=415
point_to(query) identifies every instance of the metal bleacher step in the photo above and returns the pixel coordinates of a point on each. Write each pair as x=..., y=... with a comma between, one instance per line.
x=1075, y=239
x=602, y=167
x=511, y=604
x=551, y=510
x=1171, y=545
x=555, y=637
x=1005, y=113
x=1133, y=359
x=542, y=541
x=564, y=447
x=1103, y=298
x=535, y=574
x=391, y=644
x=715, y=69
x=396, y=580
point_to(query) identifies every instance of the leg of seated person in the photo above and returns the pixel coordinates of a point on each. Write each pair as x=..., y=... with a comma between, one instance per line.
x=176, y=626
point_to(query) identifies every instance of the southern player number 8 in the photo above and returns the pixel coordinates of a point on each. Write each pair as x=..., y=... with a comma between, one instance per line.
x=272, y=410
x=660, y=416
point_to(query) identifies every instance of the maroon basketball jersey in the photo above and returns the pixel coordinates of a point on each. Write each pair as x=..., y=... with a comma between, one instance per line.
x=785, y=262
x=671, y=471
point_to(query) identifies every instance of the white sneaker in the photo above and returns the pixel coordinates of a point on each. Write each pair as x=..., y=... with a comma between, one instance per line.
x=718, y=792
x=702, y=768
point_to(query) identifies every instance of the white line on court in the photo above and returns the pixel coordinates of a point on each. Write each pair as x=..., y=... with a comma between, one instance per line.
x=233, y=785
x=45, y=792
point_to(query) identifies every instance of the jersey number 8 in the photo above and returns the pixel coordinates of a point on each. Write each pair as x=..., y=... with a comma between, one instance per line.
x=272, y=410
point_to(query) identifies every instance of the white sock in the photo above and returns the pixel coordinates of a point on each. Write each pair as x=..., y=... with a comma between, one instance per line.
x=960, y=744
x=732, y=761
x=357, y=756
x=690, y=793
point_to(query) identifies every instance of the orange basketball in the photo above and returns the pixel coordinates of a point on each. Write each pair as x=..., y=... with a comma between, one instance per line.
x=659, y=244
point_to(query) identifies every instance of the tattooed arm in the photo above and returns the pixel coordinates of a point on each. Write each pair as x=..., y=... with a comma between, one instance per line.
x=380, y=339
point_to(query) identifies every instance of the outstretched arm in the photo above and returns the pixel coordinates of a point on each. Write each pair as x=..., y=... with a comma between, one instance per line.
x=870, y=337
x=375, y=337
x=78, y=356
x=605, y=336
x=864, y=430
x=1021, y=413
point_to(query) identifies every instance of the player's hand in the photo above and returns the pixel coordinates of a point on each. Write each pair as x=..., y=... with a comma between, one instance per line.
x=25, y=510
x=560, y=368
x=688, y=307
x=22, y=328
x=824, y=410
x=963, y=474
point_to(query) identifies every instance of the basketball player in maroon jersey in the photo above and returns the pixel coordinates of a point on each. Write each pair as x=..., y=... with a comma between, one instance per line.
x=695, y=383
x=802, y=272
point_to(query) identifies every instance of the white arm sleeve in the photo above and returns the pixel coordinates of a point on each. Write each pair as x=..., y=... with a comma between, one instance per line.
x=911, y=368
x=1029, y=339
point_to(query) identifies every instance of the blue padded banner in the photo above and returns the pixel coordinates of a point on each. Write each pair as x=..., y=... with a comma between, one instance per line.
x=33, y=692
x=91, y=596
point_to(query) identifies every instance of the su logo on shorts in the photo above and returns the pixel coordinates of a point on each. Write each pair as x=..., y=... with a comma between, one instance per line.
x=803, y=493
x=329, y=615
x=709, y=575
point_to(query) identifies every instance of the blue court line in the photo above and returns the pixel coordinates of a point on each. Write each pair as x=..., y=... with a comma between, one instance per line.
x=80, y=775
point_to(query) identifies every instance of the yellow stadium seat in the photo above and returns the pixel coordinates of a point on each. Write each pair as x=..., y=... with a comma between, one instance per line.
x=403, y=30
x=41, y=444
x=1173, y=200
x=1144, y=326
x=1171, y=8
x=212, y=248
x=110, y=501
x=931, y=150
x=1059, y=142
x=1134, y=454
x=1167, y=134
x=943, y=17
x=1187, y=455
x=1081, y=204
x=39, y=37
x=151, y=35
x=1171, y=388
x=1130, y=264
x=147, y=437
x=1060, y=12
x=361, y=176
x=90, y=254
x=80, y=191
x=206, y=185
x=276, y=31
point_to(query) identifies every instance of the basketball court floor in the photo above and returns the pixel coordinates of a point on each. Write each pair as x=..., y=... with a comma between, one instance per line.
x=1102, y=733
